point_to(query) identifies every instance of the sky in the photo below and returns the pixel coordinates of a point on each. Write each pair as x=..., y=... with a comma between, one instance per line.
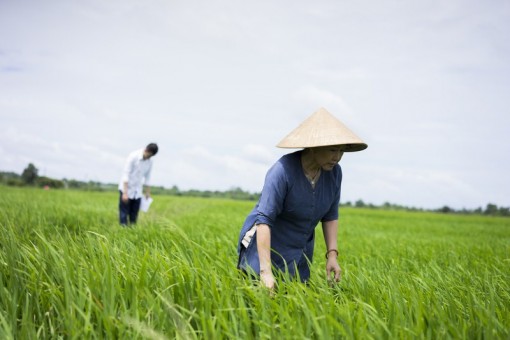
x=217, y=84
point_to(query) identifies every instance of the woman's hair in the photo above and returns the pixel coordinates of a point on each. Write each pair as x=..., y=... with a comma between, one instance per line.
x=152, y=148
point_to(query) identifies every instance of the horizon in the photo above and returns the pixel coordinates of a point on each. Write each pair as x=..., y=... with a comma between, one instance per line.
x=366, y=204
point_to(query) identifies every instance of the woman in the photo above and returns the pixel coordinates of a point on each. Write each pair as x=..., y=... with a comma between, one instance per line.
x=300, y=189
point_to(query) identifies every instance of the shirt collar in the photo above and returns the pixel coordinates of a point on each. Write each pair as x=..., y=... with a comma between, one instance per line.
x=140, y=155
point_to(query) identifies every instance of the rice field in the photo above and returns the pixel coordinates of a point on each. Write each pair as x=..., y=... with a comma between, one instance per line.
x=68, y=270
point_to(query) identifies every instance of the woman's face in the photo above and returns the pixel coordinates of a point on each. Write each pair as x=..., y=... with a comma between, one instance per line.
x=328, y=156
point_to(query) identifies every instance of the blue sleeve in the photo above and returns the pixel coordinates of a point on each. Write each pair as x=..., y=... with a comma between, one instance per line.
x=332, y=214
x=273, y=195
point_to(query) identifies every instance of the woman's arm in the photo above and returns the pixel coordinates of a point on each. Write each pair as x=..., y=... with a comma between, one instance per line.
x=330, y=230
x=264, y=250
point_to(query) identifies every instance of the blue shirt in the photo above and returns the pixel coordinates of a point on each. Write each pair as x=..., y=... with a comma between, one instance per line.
x=292, y=208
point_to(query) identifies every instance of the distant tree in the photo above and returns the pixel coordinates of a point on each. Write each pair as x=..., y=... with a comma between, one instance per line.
x=30, y=174
x=49, y=182
x=359, y=204
x=74, y=184
x=491, y=209
x=174, y=190
x=446, y=209
x=237, y=194
x=504, y=211
x=16, y=182
x=10, y=177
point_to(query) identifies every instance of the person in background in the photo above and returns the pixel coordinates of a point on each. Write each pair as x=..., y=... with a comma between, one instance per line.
x=136, y=175
x=300, y=189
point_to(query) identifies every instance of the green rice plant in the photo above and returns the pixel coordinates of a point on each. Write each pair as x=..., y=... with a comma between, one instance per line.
x=68, y=270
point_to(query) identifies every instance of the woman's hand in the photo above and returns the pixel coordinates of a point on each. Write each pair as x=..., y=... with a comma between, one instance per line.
x=332, y=267
x=267, y=279
x=330, y=229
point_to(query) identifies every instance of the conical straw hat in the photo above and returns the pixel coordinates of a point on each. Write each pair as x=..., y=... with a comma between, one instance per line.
x=322, y=129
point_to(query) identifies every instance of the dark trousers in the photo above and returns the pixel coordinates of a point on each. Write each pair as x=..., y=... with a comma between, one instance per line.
x=129, y=210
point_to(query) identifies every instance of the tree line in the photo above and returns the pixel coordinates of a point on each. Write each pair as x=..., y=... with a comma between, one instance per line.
x=30, y=177
x=490, y=209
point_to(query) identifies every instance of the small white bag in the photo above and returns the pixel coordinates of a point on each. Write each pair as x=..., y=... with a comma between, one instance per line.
x=145, y=204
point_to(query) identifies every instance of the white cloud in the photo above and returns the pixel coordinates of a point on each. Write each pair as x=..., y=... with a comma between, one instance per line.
x=312, y=96
x=218, y=84
x=411, y=186
x=199, y=168
x=259, y=153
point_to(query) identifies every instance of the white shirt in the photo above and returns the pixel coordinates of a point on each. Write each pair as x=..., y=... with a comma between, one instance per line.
x=137, y=172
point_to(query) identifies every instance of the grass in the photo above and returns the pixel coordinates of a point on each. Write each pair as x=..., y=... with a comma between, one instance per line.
x=67, y=270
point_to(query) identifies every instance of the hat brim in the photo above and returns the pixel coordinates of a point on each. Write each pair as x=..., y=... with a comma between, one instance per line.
x=352, y=147
x=322, y=129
